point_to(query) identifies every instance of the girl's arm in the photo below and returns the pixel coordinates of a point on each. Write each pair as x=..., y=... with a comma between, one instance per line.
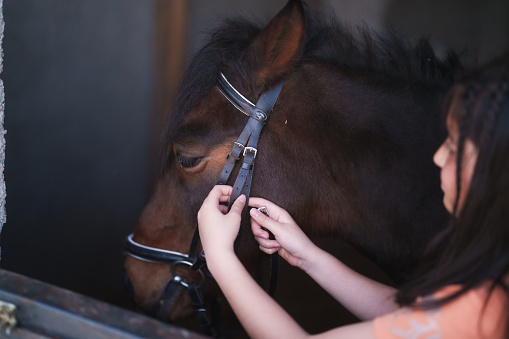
x=364, y=297
x=259, y=314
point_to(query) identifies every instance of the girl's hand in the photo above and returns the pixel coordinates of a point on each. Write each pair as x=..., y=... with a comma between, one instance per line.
x=218, y=229
x=291, y=242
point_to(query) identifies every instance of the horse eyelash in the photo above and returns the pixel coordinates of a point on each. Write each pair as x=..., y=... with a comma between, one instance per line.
x=187, y=162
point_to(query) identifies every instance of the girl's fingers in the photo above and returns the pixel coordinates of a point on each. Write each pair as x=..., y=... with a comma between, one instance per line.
x=219, y=194
x=266, y=243
x=259, y=202
x=258, y=231
x=224, y=189
x=224, y=198
x=268, y=250
x=263, y=220
x=276, y=213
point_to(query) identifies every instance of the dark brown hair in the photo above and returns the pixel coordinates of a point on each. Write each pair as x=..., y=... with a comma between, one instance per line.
x=475, y=247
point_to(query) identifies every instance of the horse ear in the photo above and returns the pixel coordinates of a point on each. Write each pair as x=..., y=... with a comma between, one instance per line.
x=278, y=47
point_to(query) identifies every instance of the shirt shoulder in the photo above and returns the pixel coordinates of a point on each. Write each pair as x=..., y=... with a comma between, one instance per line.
x=468, y=316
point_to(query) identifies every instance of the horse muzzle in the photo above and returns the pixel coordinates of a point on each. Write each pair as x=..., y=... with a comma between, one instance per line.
x=186, y=272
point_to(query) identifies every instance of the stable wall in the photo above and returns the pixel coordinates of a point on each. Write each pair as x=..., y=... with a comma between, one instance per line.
x=78, y=82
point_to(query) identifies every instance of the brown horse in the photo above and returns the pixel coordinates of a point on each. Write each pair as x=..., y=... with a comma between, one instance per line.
x=347, y=150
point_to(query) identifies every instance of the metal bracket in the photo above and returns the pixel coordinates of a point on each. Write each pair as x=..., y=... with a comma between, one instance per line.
x=7, y=317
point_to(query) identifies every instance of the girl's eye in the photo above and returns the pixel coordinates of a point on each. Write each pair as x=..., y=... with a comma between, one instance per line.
x=188, y=162
x=451, y=146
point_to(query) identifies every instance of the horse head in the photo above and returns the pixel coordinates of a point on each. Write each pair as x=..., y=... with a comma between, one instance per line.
x=347, y=149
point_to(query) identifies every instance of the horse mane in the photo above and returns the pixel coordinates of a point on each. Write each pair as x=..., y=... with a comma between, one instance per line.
x=388, y=56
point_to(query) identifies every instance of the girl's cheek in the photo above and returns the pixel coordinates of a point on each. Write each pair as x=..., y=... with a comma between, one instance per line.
x=448, y=183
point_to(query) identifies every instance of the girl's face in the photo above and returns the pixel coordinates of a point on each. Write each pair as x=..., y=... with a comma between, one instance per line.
x=446, y=157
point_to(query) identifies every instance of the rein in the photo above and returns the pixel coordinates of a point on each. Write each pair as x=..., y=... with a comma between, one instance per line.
x=246, y=147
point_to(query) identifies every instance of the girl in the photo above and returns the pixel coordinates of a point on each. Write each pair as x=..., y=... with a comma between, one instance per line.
x=461, y=290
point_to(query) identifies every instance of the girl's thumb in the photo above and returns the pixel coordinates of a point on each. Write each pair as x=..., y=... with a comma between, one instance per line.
x=238, y=205
x=264, y=221
x=260, y=218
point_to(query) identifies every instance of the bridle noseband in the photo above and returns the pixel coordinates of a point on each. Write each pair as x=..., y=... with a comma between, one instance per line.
x=246, y=147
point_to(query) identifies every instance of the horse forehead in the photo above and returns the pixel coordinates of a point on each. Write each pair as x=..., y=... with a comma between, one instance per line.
x=212, y=121
x=207, y=107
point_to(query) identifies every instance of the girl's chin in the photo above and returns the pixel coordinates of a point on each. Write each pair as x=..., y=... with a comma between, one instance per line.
x=448, y=206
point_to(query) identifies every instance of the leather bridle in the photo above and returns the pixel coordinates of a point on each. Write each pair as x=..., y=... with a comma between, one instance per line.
x=246, y=147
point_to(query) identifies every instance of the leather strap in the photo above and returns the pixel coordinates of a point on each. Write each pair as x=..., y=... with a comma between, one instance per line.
x=201, y=313
x=248, y=139
x=170, y=294
x=152, y=254
x=248, y=142
x=258, y=114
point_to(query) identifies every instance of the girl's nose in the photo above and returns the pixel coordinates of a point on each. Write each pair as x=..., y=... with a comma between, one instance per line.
x=440, y=156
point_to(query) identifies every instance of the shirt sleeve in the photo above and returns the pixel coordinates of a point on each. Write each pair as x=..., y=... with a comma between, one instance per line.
x=468, y=316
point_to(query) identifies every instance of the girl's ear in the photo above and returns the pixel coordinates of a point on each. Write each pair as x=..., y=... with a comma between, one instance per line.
x=278, y=47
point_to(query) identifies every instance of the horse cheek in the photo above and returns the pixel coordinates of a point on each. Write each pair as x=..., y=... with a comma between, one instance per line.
x=167, y=222
x=161, y=225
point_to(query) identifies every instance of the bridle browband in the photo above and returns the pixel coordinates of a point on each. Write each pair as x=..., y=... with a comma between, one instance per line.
x=246, y=147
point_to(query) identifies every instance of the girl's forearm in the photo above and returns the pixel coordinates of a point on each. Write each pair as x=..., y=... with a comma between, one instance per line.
x=364, y=297
x=259, y=314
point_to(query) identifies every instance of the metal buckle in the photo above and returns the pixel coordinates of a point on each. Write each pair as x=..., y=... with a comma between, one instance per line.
x=250, y=149
x=189, y=266
x=239, y=144
x=264, y=210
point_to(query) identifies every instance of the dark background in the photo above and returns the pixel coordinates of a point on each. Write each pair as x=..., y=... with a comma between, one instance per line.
x=88, y=84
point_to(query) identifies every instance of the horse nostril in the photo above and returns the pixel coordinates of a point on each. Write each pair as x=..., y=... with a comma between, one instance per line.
x=129, y=287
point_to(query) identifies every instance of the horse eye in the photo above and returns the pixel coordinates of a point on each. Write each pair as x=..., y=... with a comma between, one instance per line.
x=188, y=162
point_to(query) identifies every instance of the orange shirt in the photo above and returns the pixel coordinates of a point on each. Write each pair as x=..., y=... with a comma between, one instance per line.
x=466, y=317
